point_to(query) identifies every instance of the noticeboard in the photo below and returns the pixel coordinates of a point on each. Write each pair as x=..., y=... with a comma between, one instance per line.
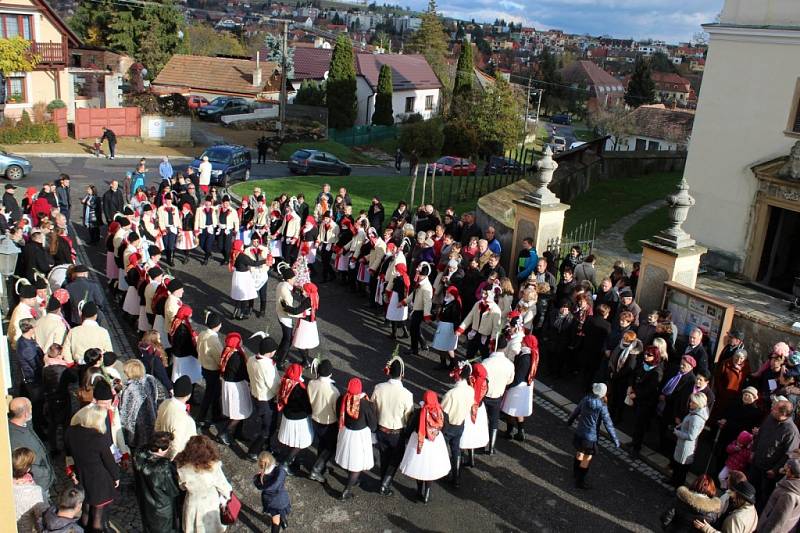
x=692, y=308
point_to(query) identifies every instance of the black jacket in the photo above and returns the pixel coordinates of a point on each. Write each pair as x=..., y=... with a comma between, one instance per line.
x=522, y=367
x=298, y=406
x=56, y=380
x=610, y=298
x=109, y=136
x=94, y=464
x=35, y=259
x=29, y=358
x=688, y=507
x=79, y=289
x=367, y=416
x=450, y=312
x=182, y=343
x=157, y=492
x=376, y=216
x=244, y=262
x=113, y=202
x=155, y=367
x=12, y=207
x=646, y=386
x=235, y=369
x=700, y=356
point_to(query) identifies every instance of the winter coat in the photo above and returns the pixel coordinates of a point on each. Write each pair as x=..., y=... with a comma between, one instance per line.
x=645, y=385
x=688, y=507
x=29, y=502
x=25, y=437
x=50, y=522
x=741, y=520
x=156, y=491
x=739, y=456
x=782, y=512
x=728, y=382
x=204, y=488
x=590, y=412
x=688, y=432
x=137, y=410
x=274, y=496
x=773, y=443
x=92, y=211
x=94, y=464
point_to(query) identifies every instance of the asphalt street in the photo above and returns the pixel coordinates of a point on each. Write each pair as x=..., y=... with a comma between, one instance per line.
x=525, y=487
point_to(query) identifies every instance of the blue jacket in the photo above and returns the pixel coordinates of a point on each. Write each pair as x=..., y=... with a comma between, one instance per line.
x=274, y=496
x=165, y=170
x=528, y=266
x=29, y=358
x=590, y=412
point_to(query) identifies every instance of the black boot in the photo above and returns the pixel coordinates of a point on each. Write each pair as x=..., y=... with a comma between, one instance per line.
x=420, y=490
x=520, y=436
x=509, y=432
x=205, y=260
x=426, y=492
x=276, y=528
x=318, y=470
x=580, y=479
x=262, y=308
x=470, y=458
x=455, y=474
x=576, y=464
x=386, y=482
x=352, y=481
x=247, y=310
x=492, y=440
x=442, y=362
x=393, y=334
x=404, y=334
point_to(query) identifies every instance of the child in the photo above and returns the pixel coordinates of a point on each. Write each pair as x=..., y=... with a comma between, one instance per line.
x=98, y=150
x=274, y=498
x=740, y=453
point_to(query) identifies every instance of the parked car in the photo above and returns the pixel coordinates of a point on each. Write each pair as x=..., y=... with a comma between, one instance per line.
x=501, y=165
x=562, y=119
x=559, y=144
x=196, y=102
x=221, y=106
x=14, y=167
x=229, y=162
x=576, y=144
x=451, y=165
x=317, y=162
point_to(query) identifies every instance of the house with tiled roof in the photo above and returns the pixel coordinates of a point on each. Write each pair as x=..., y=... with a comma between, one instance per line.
x=656, y=127
x=604, y=89
x=672, y=87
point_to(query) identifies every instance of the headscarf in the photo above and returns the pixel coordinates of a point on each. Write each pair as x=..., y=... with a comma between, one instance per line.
x=182, y=317
x=431, y=419
x=531, y=344
x=453, y=291
x=402, y=269
x=233, y=343
x=351, y=403
x=292, y=378
x=238, y=246
x=313, y=295
x=133, y=262
x=480, y=385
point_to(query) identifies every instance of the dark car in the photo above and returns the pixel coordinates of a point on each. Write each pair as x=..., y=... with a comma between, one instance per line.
x=229, y=162
x=562, y=119
x=451, y=165
x=501, y=165
x=223, y=105
x=317, y=162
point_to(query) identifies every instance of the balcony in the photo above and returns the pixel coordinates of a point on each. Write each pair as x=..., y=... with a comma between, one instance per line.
x=49, y=53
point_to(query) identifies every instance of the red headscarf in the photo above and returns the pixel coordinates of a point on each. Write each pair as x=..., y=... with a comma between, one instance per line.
x=479, y=383
x=133, y=262
x=162, y=291
x=233, y=343
x=453, y=291
x=532, y=343
x=238, y=246
x=289, y=381
x=313, y=295
x=431, y=419
x=351, y=403
x=181, y=317
x=402, y=269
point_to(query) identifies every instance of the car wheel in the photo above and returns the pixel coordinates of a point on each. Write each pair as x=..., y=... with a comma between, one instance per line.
x=343, y=171
x=14, y=172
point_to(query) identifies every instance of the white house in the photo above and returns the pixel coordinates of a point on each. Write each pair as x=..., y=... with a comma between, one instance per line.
x=655, y=128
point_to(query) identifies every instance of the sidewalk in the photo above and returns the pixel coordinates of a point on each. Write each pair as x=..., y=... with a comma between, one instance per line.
x=127, y=148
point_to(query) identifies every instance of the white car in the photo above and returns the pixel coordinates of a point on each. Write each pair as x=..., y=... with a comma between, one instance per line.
x=576, y=144
x=559, y=144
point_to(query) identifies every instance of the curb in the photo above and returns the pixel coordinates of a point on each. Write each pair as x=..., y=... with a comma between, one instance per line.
x=90, y=156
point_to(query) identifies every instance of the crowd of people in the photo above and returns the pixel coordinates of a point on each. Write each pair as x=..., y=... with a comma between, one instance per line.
x=109, y=412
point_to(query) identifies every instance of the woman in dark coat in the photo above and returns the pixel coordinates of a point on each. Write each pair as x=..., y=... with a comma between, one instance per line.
x=157, y=488
x=92, y=214
x=376, y=214
x=94, y=466
x=698, y=502
x=271, y=481
x=644, y=391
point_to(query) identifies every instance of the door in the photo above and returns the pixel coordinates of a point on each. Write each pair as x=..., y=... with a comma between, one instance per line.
x=780, y=260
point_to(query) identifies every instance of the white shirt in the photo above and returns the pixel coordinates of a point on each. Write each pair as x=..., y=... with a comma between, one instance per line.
x=205, y=173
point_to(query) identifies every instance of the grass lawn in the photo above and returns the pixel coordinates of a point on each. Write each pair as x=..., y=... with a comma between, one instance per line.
x=387, y=146
x=646, y=228
x=611, y=199
x=345, y=153
x=585, y=135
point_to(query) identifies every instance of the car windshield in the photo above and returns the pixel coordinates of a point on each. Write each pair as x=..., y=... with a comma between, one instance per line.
x=301, y=154
x=217, y=155
x=219, y=101
x=446, y=161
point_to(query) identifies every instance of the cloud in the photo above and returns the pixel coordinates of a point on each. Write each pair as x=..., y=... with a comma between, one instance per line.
x=640, y=19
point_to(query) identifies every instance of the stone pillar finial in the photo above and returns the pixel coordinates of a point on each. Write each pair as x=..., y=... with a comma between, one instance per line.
x=545, y=167
x=679, y=204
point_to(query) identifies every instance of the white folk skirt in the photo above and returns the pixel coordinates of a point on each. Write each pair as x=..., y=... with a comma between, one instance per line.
x=260, y=276
x=296, y=433
x=518, y=400
x=275, y=248
x=363, y=273
x=186, y=240
x=395, y=313
x=158, y=325
x=122, y=284
x=112, y=270
x=131, y=302
x=354, y=449
x=143, y=324
x=475, y=435
x=236, y=402
x=343, y=262
x=243, y=287
x=245, y=235
x=187, y=366
x=306, y=336
x=445, y=339
x=379, y=289
x=432, y=463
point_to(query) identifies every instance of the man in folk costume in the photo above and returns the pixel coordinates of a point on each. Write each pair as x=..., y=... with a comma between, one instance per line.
x=308, y=243
x=148, y=226
x=26, y=308
x=52, y=328
x=476, y=427
x=237, y=404
x=295, y=430
x=357, y=421
x=257, y=251
x=227, y=229
x=206, y=220
x=457, y=403
x=353, y=250
x=379, y=296
x=156, y=276
x=327, y=239
x=130, y=245
x=264, y=381
x=272, y=233
x=394, y=404
x=260, y=213
x=374, y=259
x=187, y=240
x=246, y=215
x=518, y=399
x=173, y=302
x=291, y=234
x=173, y=416
x=483, y=321
x=168, y=223
x=89, y=334
x=284, y=303
x=421, y=299
x=144, y=322
x=209, y=351
x=499, y=374
x=322, y=393
x=42, y=294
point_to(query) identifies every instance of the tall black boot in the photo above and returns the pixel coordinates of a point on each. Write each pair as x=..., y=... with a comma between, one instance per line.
x=426, y=491
x=276, y=528
x=442, y=361
x=318, y=470
x=509, y=432
x=580, y=480
x=405, y=332
x=520, y=436
x=492, y=440
x=455, y=474
x=576, y=464
x=262, y=308
x=393, y=334
x=386, y=482
x=470, y=458
x=420, y=490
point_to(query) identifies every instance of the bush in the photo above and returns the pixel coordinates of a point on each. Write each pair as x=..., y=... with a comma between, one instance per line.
x=170, y=106
x=21, y=133
x=56, y=104
x=26, y=119
x=424, y=139
x=39, y=111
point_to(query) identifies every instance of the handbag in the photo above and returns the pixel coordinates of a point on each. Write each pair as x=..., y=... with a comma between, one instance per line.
x=229, y=513
x=85, y=395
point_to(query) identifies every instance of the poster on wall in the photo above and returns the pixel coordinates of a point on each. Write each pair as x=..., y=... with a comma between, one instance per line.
x=692, y=308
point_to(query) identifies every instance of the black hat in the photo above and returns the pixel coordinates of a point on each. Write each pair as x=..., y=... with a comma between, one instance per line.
x=267, y=345
x=226, y=198
x=208, y=198
x=396, y=369
x=124, y=222
x=53, y=304
x=41, y=283
x=133, y=236
x=466, y=371
x=182, y=387
x=175, y=285
x=213, y=319
x=89, y=310
x=154, y=272
x=625, y=292
x=153, y=250
x=285, y=271
x=746, y=491
x=736, y=333
x=128, y=211
x=147, y=207
x=109, y=358
x=27, y=291
x=102, y=390
x=11, y=187
x=81, y=269
x=325, y=368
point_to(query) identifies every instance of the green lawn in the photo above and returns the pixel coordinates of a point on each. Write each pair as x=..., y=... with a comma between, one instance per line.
x=609, y=200
x=585, y=135
x=387, y=146
x=345, y=153
x=646, y=228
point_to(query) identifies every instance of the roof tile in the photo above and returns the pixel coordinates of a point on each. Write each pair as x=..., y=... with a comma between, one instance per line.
x=218, y=74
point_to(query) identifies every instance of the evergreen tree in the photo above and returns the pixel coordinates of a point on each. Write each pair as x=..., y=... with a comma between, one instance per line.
x=384, y=114
x=430, y=40
x=497, y=117
x=552, y=98
x=641, y=88
x=464, y=72
x=659, y=62
x=310, y=93
x=341, y=85
x=274, y=47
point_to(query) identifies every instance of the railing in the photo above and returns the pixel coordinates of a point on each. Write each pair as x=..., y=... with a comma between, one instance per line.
x=582, y=236
x=49, y=53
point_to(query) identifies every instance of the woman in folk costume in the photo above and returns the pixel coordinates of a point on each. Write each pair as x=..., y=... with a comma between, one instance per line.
x=327, y=238
x=397, y=309
x=148, y=226
x=133, y=275
x=257, y=251
x=171, y=286
x=152, y=273
x=128, y=246
x=445, y=340
x=306, y=336
x=184, y=346
x=273, y=233
x=514, y=333
x=228, y=228
x=295, y=430
x=353, y=249
x=237, y=404
x=206, y=220
x=426, y=457
x=261, y=214
x=346, y=234
x=308, y=242
x=357, y=421
x=112, y=270
x=518, y=400
x=246, y=220
x=379, y=298
x=476, y=425
x=187, y=240
x=243, y=288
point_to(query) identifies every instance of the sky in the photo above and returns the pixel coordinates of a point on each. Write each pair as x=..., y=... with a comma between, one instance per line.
x=671, y=21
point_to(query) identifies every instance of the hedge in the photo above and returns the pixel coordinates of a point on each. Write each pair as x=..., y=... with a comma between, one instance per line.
x=21, y=133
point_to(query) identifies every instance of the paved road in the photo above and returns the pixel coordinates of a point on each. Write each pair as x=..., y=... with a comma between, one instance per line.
x=568, y=132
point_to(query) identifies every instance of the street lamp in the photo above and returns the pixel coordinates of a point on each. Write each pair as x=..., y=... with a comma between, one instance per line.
x=8, y=264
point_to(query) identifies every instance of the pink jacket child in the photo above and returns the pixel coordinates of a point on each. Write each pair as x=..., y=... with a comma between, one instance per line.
x=740, y=453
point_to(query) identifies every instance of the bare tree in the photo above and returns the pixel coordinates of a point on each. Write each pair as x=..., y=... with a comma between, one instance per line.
x=615, y=121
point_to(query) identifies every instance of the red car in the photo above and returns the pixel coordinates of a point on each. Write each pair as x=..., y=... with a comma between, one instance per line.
x=451, y=165
x=196, y=102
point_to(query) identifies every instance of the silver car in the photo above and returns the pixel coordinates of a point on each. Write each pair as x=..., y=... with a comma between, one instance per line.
x=14, y=167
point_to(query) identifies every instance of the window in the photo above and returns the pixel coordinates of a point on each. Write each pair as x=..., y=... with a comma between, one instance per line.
x=653, y=146
x=641, y=144
x=410, y=101
x=15, y=89
x=15, y=25
x=429, y=102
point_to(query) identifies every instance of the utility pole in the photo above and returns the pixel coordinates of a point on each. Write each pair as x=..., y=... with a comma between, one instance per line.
x=527, y=110
x=284, y=79
x=538, y=108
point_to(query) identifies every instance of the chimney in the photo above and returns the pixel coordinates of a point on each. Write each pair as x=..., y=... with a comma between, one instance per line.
x=257, y=71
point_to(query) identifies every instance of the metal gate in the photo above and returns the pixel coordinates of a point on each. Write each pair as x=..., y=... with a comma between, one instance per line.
x=123, y=121
x=582, y=236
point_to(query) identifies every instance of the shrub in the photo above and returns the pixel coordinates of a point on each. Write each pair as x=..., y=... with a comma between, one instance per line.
x=29, y=132
x=39, y=111
x=170, y=106
x=56, y=104
x=26, y=119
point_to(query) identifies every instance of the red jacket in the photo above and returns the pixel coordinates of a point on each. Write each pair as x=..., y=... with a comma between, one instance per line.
x=40, y=209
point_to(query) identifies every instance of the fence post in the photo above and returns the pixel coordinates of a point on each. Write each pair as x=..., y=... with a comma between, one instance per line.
x=433, y=186
x=424, y=184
